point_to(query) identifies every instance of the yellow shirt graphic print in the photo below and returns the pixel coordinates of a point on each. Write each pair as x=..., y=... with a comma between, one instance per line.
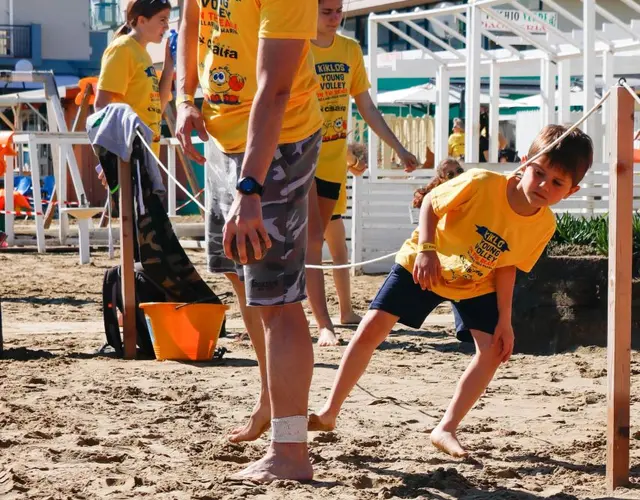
x=229, y=33
x=341, y=74
x=479, y=260
x=478, y=232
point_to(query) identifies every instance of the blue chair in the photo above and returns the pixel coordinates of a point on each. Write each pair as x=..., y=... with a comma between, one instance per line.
x=48, y=185
x=25, y=186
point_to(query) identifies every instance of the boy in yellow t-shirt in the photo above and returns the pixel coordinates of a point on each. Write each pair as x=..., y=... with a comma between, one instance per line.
x=474, y=231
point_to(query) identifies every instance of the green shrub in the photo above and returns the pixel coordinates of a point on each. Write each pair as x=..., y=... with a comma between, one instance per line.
x=590, y=232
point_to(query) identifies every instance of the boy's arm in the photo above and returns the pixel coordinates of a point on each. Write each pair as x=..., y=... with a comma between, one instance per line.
x=505, y=283
x=426, y=269
x=427, y=222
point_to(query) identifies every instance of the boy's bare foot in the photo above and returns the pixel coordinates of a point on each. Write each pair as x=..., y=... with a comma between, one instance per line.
x=321, y=422
x=282, y=461
x=350, y=319
x=259, y=423
x=448, y=442
x=327, y=338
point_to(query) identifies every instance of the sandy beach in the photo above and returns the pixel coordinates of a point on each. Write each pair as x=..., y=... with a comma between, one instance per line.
x=76, y=424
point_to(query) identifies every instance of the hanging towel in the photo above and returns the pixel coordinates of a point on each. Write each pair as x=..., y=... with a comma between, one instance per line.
x=114, y=129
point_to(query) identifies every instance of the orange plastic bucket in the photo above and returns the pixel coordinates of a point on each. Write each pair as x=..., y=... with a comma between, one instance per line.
x=184, y=331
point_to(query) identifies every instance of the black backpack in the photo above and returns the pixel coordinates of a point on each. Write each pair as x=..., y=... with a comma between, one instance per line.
x=146, y=291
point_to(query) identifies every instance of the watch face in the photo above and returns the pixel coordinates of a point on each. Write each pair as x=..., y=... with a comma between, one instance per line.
x=248, y=185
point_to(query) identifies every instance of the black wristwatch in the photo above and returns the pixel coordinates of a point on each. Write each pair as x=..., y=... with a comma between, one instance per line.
x=248, y=185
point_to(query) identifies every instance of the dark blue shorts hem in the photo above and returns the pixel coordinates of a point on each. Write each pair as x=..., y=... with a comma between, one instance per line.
x=403, y=298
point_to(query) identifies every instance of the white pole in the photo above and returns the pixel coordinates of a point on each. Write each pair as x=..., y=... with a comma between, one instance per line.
x=37, y=199
x=494, y=113
x=589, y=62
x=373, y=78
x=609, y=81
x=171, y=161
x=442, y=115
x=564, y=92
x=472, y=114
x=548, y=91
x=8, y=202
x=356, y=221
x=63, y=216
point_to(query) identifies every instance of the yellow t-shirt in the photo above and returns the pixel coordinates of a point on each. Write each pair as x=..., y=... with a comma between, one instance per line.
x=229, y=34
x=340, y=69
x=456, y=144
x=127, y=70
x=478, y=232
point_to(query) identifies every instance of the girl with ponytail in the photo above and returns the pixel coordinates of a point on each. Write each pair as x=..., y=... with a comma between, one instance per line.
x=127, y=74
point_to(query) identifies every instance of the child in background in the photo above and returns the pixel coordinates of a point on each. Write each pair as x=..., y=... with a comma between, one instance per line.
x=446, y=170
x=127, y=74
x=474, y=231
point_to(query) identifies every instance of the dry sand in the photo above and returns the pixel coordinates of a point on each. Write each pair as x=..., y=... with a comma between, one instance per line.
x=74, y=424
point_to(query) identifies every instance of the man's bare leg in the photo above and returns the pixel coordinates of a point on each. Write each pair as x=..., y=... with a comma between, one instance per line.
x=315, y=277
x=375, y=327
x=289, y=351
x=336, y=239
x=472, y=385
x=261, y=415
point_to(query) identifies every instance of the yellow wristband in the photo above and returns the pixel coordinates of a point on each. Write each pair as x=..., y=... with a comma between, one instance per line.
x=426, y=247
x=184, y=98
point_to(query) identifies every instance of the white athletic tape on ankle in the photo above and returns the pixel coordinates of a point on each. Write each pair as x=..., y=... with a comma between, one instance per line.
x=289, y=429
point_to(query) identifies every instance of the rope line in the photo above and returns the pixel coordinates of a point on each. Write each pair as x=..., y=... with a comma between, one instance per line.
x=569, y=130
x=188, y=202
x=624, y=84
x=169, y=173
x=357, y=264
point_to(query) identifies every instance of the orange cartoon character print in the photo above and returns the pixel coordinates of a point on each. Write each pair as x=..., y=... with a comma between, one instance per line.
x=224, y=83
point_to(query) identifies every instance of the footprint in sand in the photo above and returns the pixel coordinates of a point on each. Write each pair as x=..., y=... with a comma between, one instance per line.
x=326, y=437
x=88, y=441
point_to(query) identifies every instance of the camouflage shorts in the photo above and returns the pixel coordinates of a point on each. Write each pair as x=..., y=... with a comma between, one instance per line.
x=279, y=278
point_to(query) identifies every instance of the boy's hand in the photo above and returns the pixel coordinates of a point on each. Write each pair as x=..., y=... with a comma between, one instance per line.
x=426, y=270
x=504, y=339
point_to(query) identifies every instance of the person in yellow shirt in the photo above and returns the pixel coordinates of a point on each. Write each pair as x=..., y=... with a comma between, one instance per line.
x=253, y=61
x=127, y=74
x=474, y=231
x=339, y=64
x=456, y=139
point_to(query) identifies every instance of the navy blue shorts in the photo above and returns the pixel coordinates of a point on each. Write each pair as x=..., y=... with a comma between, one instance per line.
x=400, y=296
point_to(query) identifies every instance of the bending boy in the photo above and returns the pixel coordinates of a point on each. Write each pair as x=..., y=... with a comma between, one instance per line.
x=474, y=231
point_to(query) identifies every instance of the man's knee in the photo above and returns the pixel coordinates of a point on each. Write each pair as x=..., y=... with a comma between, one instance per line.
x=281, y=317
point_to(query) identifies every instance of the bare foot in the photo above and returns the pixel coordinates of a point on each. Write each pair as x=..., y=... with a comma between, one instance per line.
x=321, y=422
x=282, y=461
x=327, y=338
x=448, y=442
x=350, y=319
x=259, y=423
x=243, y=337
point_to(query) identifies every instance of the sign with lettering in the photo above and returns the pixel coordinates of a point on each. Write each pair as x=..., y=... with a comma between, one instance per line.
x=537, y=24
